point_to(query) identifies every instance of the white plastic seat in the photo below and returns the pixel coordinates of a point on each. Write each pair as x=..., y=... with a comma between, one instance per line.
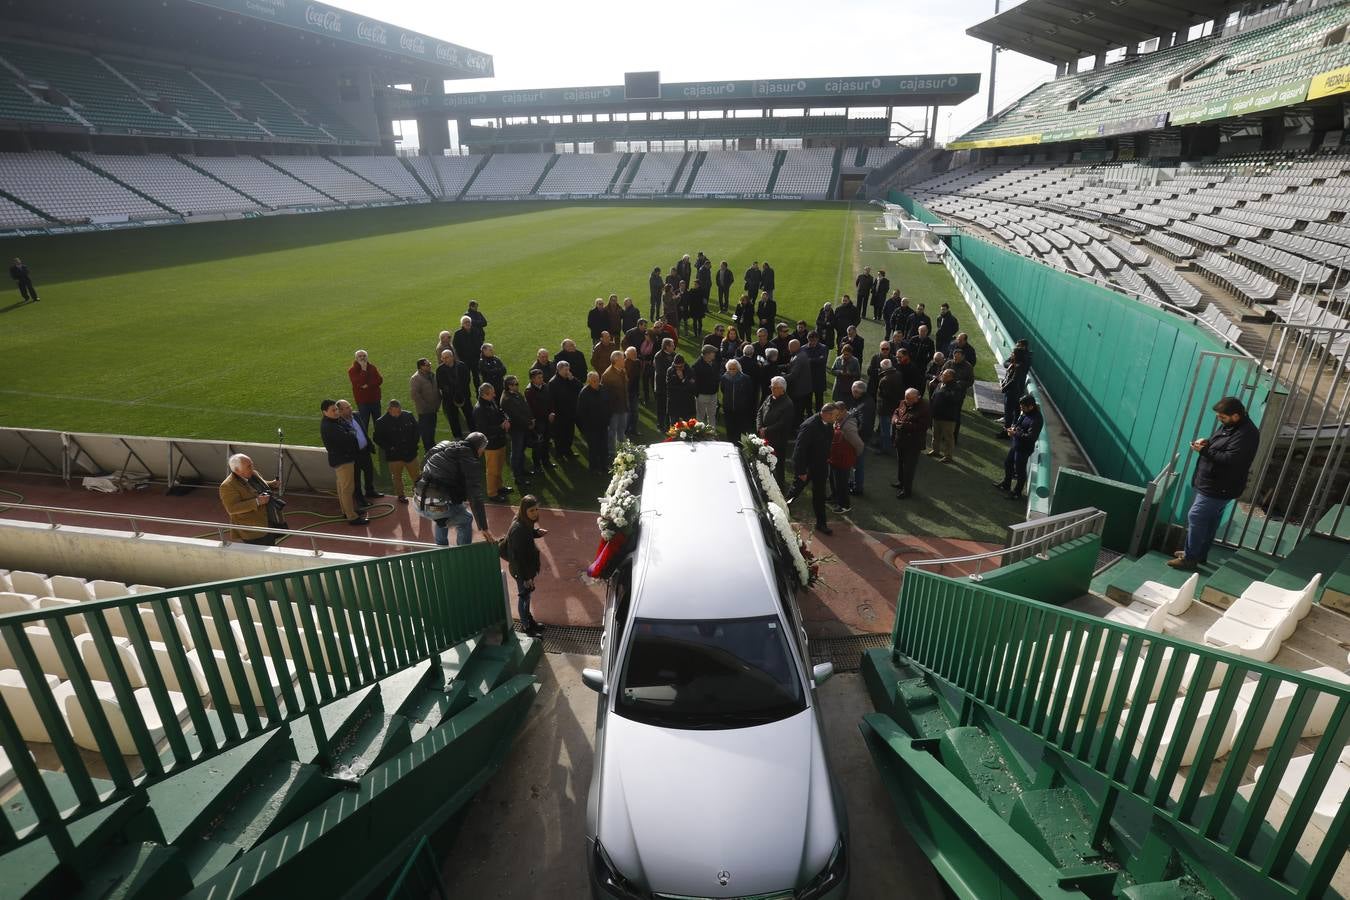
x=107, y=698
x=30, y=583
x=20, y=702
x=76, y=624
x=1268, y=595
x=1140, y=615
x=222, y=666
x=11, y=602
x=1333, y=795
x=1243, y=639
x=1263, y=617
x=1177, y=600
x=93, y=661
x=69, y=587
x=103, y=589
x=4, y=581
x=1199, y=725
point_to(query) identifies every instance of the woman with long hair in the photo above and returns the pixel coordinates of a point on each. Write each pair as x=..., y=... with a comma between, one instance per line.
x=522, y=558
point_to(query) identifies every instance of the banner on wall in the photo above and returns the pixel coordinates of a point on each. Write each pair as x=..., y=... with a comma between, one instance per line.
x=1330, y=83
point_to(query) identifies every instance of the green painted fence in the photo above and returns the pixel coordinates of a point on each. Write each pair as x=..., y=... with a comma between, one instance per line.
x=1103, y=696
x=1122, y=373
x=212, y=687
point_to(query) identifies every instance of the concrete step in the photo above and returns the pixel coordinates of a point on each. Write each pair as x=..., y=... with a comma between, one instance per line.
x=972, y=756
x=146, y=870
x=1056, y=822
x=275, y=796
x=438, y=707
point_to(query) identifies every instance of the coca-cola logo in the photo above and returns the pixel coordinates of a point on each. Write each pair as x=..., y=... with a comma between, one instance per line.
x=446, y=53
x=476, y=61
x=369, y=31
x=327, y=19
x=412, y=43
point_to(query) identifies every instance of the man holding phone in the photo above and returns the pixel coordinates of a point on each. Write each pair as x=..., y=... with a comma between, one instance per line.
x=1220, y=477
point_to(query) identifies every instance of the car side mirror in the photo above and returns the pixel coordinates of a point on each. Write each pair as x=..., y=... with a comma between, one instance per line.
x=821, y=672
x=595, y=679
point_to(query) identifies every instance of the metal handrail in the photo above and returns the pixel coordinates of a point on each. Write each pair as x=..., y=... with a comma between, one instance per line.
x=1093, y=519
x=222, y=529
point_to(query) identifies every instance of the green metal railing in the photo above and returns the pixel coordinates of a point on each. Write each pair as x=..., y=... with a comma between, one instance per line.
x=1106, y=695
x=303, y=639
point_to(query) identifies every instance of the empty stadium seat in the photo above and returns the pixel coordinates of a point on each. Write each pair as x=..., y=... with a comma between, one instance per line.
x=19, y=701
x=655, y=173
x=69, y=587
x=176, y=185
x=1333, y=795
x=331, y=179
x=807, y=172
x=126, y=659
x=387, y=172
x=258, y=180
x=12, y=602
x=83, y=734
x=30, y=583
x=103, y=589
x=509, y=174
x=69, y=192
x=734, y=172
x=581, y=173
x=1176, y=600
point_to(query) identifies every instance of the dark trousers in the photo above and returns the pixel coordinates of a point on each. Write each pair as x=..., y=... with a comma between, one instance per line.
x=631, y=429
x=519, y=438
x=452, y=416
x=698, y=323
x=1011, y=407
x=907, y=450
x=862, y=304
x=426, y=426
x=1015, y=468
x=563, y=432
x=754, y=294
x=472, y=366
x=652, y=315
x=723, y=298
x=818, y=395
x=802, y=405
x=366, y=414
x=539, y=446
x=26, y=289
x=737, y=425
x=365, y=472
x=523, y=594
x=648, y=381
x=839, y=486
x=820, y=486
x=597, y=448
x=662, y=416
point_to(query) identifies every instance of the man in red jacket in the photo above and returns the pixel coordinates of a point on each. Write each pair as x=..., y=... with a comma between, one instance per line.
x=366, y=381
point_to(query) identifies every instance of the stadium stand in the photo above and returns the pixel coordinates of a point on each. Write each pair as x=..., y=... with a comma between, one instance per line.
x=734, y=172
x=256, y=178
x=69, y=192
x=170, y=182
x=655, y=173
x=454, y=172
x=509, y=173
x=581, y=173
x=310, y=108
x=386, y=172
x=255, y=101
x=807, y=172
x=196, y=105
x=12, y=215
x=325, y=176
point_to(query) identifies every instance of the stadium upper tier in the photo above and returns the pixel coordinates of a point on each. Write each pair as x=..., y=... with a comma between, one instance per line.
x=48, y=190
x=679, y=129
x=51, y=88
x=1212, y=78
x=1257, y=227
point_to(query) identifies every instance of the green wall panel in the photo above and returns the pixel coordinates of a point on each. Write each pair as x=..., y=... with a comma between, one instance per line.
x=1065, y=574
x=1120, y=502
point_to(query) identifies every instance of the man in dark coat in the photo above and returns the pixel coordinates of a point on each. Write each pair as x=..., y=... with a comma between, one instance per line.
x=452, y=383
x=890, y=391
x=862, y=407
x=880, y=291
x=811, y=460
x=862, y=286
x=455, y=468
x=540, y=401
x=563, y=388
x=1022, y=433
x=775, y=421
x=660, y=366
x=573, y=357
x=468, y=345
x=397, y=435
x=922, y=348
x=593, y=420
x=365, y=458
x=909, y=427
x=654, y=286
x=1014, y=383
x=1226, y=457
x=753, y=280
x=684, y=270
x=766, y=278
x=799, y=379
x=874, y=367
x=766, y=312
x=24, y=280
x=961, y=342
x=946, y=327
x=724, y=278
x=900, y=317
x=597, y=320
x=340, y=442
x=819, y=354
x=681, y=389
x=845, y=314
x=945, y=405
x=492, y=369
x=738, y=401
x=919, y=320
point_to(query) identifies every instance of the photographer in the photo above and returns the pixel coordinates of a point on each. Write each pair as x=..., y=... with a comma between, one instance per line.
x=248, y=500
x=450, y=490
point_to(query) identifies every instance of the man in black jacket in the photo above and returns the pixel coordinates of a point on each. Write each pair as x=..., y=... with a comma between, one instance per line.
x=452, y=383
x=725, y=279
x=766, y=278
x=775, y=421
x=457, y=498
x=340, y=442
x=468, y=344
x=946, y=327
x=365, y=457
x=811, y=460
x=563, y=388
x=654, y=286
x=593, y=420
x=396, y=433
x=1226, y=457
x=880, y=291
x=753, y=280
x=19, y=272
x=863, y=285
x=707, y=374
x=1023, y=433
x=573, y=357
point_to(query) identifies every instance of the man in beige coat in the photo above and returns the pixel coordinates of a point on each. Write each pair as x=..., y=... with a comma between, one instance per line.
x=247, y=501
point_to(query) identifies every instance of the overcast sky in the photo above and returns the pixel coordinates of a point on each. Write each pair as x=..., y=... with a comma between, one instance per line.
x=553, y=44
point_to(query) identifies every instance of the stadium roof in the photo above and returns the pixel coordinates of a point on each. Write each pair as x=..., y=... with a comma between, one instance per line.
x=276, y=33
x=1060, y=31
x=869, y=90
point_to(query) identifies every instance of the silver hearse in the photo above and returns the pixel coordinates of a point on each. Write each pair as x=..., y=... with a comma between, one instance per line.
x=711, y=778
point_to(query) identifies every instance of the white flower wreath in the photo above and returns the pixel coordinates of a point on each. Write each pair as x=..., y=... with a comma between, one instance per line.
x=764, y=460
x=619, y=507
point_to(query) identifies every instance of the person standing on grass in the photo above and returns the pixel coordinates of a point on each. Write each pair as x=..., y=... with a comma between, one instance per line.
x=881, y=289
x=753, y=279
x=775, y=420
x=744, y=315
x=593, y=420
x=615, y=313
x=563, y=389
x=725, y=278
x=862, y=285
x=522, y=559
x=521, y=420
x=601, y=352
x=670, y=305
x=632, y=369
x=340, y=443
x=945, y=405
x=366, y=381
x=575, y=359
x=767, y=279
x=921, y=347
x=646, y=342
x=862, y=407
x=945, y=328
x=846, y=371
x=819, y=355
x=397, y=434
x=597, y=320
x=766, y=313
x=654, y=288
x=492, y=422
x=1016, y=368
x=1226, y=458
x=426, y=401
x=680, y=391
x=468, y=347
x=615, y=380
x=684, y=270
x=543, y=364
x=845, y=316
x=452, y=385
x=631, y=315
x=660, y=366
x=707, y=374
x=247, y=498
x=1023, y=433
x=491, y=368
x=961, y=342
x=450, y=491
x=825, y=325
x=539, y=398
x=811, y=460
x=445, y=342
x=24, y=280
x=909, y=429
x=738, y=401
x=698, y=308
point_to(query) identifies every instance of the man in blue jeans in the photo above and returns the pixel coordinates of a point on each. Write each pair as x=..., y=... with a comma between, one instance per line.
x=451, y=493
x=1220, y=478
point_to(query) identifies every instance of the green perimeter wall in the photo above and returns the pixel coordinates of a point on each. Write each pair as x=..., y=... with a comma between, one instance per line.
x=1118, y=370
x=1065, y=574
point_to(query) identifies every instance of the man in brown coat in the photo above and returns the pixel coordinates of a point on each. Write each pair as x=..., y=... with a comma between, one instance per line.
x=615, y=381
x=247, y=499
x=909, y=429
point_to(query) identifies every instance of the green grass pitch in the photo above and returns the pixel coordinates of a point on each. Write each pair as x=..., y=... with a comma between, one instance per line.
x=230, y=330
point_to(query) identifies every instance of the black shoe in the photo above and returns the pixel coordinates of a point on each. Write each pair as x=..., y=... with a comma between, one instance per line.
x=358, y=521
x=896, y=484
x=1001, y=485
x=499, y=497
x=402, y=498
x=838, y=510
x=903, y=495
x=855, y=491
x=373, y=495
x=1016, y=497
x=824, y=529
x=362, y=507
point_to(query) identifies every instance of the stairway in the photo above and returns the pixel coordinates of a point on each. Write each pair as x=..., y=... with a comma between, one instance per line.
x=626, y=179
x=329, y=805
x=482, y=163
x=1312, y=555
x=694, y=166
x=548, y=166
x=777, y=166
x=619, y=171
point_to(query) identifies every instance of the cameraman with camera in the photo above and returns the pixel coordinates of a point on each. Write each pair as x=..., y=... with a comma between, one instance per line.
x=248, y=500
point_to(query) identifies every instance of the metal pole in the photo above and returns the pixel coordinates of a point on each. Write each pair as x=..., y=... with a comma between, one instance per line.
x=993, y=68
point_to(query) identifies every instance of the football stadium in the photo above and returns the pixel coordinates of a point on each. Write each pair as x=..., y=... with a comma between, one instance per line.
x=420, y=481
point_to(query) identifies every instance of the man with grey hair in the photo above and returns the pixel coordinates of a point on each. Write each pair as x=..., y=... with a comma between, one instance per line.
x=468, y=345
x=365, y=457
x=247, y=499
x=775, y=422
x=426, y=401
x=909, y=427
x=450, y=492
x=706, y=376
x=799, y=378
x=366, y=381
x=811, y=459
x=738, y=401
